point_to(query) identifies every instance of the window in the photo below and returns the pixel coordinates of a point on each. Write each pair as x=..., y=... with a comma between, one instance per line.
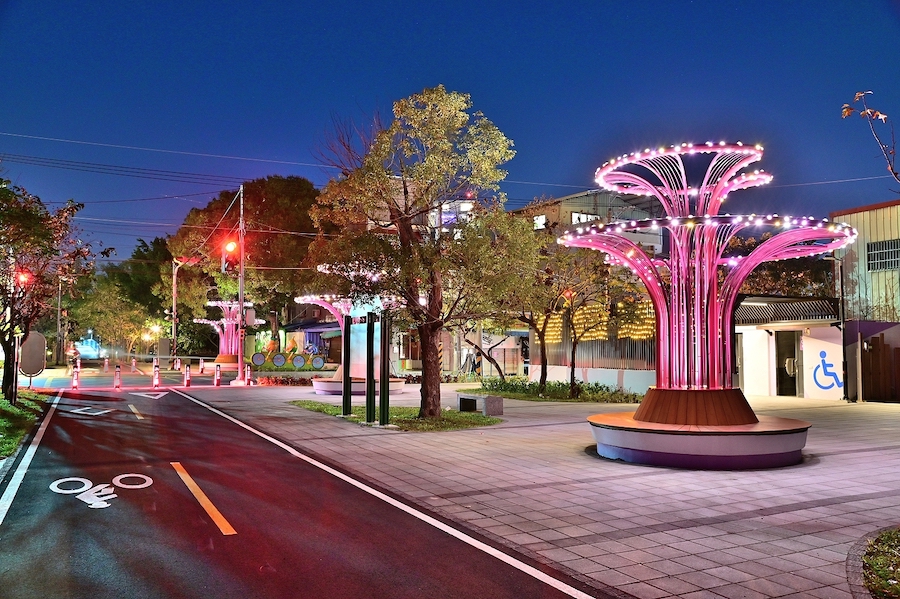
x=883, y=255
x=581, y=217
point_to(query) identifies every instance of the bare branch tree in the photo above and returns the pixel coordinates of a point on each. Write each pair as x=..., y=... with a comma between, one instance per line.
x=889, y=151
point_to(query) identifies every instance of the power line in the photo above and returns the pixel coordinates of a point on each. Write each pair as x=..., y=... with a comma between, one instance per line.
x=124, y=171
x=162, y=151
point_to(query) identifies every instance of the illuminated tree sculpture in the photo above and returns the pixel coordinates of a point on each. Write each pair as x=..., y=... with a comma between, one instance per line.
x=227, y=327
x=694, y=312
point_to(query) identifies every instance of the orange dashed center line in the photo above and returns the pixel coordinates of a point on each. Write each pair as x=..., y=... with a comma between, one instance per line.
x=203, y=500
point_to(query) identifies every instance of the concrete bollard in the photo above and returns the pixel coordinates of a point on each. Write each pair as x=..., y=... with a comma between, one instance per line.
x=177, y=363
x=74, y=378
x=133, y=364
x=117, y=378
x=247, y=377
x=156, y=376
x=217, y=379
x=202, y=366
x=187, y=375
x=105, y=364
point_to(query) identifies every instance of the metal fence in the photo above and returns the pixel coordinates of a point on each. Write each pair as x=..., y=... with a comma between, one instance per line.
x=616, y=354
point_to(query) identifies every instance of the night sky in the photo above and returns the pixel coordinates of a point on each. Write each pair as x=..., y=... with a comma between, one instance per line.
x=238, y=90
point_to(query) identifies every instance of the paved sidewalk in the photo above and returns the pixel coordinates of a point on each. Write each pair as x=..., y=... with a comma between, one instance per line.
x=534, y=483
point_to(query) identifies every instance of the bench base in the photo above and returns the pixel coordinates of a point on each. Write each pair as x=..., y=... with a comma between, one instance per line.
x=491, y=405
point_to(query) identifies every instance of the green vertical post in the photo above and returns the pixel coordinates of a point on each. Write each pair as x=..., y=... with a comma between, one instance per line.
x=384, y=405
x=345, y=366
x=370, y=367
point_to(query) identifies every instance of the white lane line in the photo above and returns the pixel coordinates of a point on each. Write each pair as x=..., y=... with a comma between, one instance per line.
x=515, y=563
x=136, y=413
x=16, y=481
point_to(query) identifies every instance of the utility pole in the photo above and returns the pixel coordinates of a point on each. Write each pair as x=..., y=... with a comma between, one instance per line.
x=241, y=319
x=176, y=264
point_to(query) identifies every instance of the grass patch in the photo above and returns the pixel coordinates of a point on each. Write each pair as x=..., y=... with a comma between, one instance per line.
x=17, y=421
x=881, y=565
x=406, y=419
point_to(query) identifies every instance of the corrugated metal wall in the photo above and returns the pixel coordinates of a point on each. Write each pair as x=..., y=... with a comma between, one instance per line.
x=871, y=295
x=616, y=354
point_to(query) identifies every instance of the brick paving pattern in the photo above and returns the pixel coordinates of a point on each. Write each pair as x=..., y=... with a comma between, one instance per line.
x=533, y=483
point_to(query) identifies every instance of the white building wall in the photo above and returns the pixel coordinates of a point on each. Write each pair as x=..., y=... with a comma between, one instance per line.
x=758, y=367
x=817, y=383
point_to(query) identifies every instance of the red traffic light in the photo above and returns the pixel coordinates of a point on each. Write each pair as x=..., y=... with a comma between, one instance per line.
x=23, y=278
x=230, y=257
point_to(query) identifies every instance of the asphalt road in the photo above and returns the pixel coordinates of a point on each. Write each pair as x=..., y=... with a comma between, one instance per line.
x=150, y=494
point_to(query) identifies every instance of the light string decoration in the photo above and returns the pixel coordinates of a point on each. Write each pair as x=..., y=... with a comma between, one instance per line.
x=228, y=327
x=693, y=311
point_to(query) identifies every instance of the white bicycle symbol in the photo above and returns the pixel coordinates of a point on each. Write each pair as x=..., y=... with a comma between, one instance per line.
x=98, y=496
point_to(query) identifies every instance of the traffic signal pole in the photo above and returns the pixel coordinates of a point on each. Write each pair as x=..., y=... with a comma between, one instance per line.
x=241, y=319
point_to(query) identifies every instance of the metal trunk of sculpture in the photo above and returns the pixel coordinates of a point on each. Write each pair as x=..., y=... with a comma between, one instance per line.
x=684, y=420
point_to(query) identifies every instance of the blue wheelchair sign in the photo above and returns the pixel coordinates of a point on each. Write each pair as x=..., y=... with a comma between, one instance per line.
x=827, y=374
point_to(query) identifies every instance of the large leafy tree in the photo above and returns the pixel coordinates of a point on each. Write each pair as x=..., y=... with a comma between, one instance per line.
x=399, y=186
x=107, y=308
x=278, y=232
x=575, y=284
x=40, y=252
x=140, y=276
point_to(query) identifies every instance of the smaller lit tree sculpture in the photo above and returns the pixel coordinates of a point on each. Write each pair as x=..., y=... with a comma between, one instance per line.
x=227, y=329
x=694, y=312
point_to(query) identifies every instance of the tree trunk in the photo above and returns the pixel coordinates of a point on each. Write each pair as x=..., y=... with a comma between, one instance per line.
x=574, y=391
x=542, y=342
x=9, y=392
x=487, y=357
x=429, y=336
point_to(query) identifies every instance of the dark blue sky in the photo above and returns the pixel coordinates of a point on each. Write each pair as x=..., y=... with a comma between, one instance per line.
x=573, y=84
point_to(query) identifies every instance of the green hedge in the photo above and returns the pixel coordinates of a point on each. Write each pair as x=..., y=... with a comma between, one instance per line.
x=559, y=390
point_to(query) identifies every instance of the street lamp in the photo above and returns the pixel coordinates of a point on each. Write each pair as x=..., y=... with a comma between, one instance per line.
x=176, y=264
x=840, y=268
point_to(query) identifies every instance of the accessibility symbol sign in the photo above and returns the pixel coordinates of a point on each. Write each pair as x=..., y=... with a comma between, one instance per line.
x=824, y=371
x=100, y=495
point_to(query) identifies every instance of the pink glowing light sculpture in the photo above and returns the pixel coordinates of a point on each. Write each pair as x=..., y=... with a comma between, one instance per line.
x=693, y=311
x=227, y=327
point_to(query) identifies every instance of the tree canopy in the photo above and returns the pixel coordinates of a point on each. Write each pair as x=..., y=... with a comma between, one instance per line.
x=42, y=254
x=408, y=221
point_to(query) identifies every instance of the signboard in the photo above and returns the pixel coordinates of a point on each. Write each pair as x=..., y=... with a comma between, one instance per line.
x=33, y=355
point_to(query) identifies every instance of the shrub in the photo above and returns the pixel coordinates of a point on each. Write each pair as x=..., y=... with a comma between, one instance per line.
x=559, y=390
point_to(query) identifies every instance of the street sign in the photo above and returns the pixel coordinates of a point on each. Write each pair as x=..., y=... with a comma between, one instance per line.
x=33, y=355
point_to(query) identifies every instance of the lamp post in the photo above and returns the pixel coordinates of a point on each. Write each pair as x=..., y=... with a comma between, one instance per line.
x=59, y=340
x=176, y=264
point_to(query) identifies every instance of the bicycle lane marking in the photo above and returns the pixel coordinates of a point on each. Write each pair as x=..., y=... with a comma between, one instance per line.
x=412, y=511
x=16, y=481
